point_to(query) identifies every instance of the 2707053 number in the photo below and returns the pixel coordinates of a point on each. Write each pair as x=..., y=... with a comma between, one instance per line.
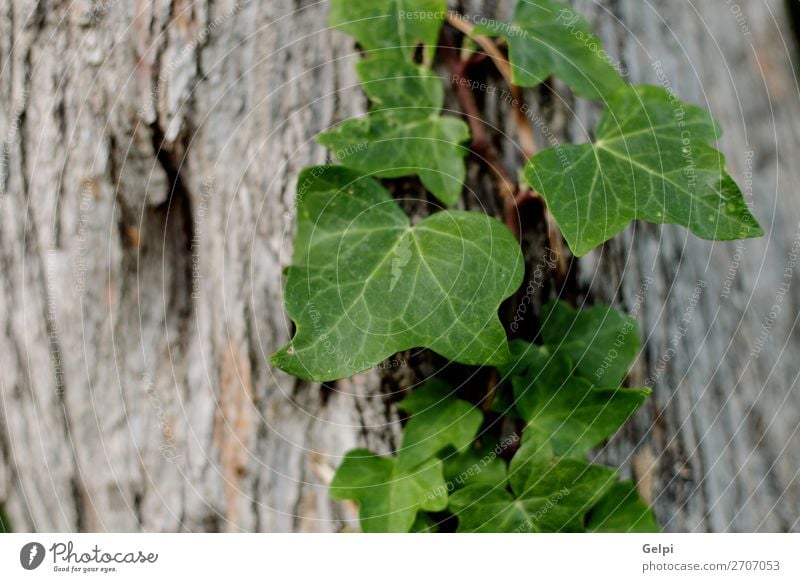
x=755, y=565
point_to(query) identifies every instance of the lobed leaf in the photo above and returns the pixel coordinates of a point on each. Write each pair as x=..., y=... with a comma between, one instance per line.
x=489, y=509
x=567, y=412
x=389, y=497
x=548, y=38
x=651, y=160
x=394, y=84
x=446, y=422
x=575, y=406
x=390, y=26
x=536, y=469
x=404, y=134
x=601, y=341
x=621, y=510
x=360, y=271
x=547, y=495
x=475, y=466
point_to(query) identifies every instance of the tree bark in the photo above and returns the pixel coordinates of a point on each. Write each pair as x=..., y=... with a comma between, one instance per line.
x=150, y=156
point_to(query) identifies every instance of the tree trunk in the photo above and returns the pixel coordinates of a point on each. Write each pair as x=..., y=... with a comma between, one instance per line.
x=150, y=154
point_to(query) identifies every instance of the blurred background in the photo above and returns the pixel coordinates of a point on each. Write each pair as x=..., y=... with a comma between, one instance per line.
x=150, y=152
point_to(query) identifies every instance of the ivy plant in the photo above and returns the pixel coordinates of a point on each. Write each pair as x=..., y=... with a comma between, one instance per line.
x=366, y=283
x=548, y=484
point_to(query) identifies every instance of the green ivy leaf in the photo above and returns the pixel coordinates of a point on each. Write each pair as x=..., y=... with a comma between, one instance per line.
x=652, y=161
x=601, y=341
x=568, y=412
x=536, y=467
x=388, y=496
x=621, y=510
x=484, y=508
x=360, y=271
x=520, y=360
x=547, y=495
x=430, y=394
x=549, y=38
x=394, y=84
x=527, y=358
x=446, y=422
x=473, y=466
x=391, y=26
x=404, y=133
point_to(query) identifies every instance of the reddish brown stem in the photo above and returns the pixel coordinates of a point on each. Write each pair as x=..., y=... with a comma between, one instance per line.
x=512, y=196
x=491, y=391
x=486, y=43
x=481, y=141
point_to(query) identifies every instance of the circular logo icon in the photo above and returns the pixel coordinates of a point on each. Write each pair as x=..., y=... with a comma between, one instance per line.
x=31, y=555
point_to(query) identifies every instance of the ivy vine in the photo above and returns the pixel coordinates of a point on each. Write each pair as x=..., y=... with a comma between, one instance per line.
x=365, y=283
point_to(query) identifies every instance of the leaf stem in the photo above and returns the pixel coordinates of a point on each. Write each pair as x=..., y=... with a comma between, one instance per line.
x=526, y=137
x=491, y=391
x=512, y=198
x=481, y=141
x=486, y=43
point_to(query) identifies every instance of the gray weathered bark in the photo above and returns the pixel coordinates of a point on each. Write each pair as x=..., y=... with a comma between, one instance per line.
x=150, y=152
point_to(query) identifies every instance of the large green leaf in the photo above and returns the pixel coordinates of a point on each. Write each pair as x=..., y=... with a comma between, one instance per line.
x=446, y=422
x=621, y=510
x=570, y=413
x=651, y=160
x=390, y=26
x=365, y=284
x=388, y=496
x=404, y=133
x=601, y=341
x=549, y=38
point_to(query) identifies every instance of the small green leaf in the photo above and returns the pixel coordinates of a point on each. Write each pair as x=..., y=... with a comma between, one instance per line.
x=447, y=422
x=483, y=466
x=391, y=26
x=548, y=495
x=484, y=508
x=601, y=341
x=567, y=412
x=428, y=395
x=652, y=161
x=404, y=133
x=394, y=84
x=549, y=38
x=389, y=497
x=527, y=358
x=621, y=510
x=365, y=284
x=535, y=471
